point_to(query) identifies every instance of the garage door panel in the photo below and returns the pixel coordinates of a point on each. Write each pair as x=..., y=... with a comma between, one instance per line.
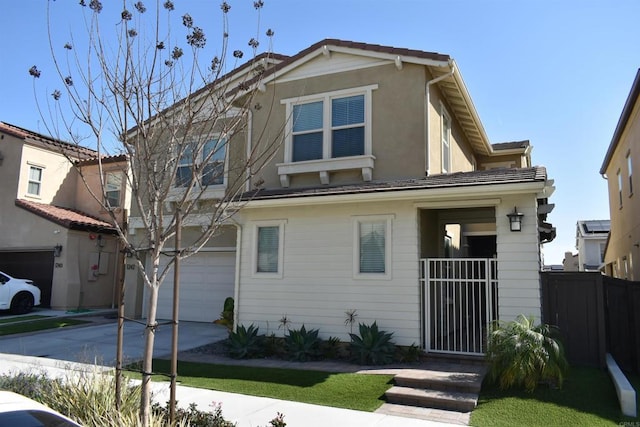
x=206, y=280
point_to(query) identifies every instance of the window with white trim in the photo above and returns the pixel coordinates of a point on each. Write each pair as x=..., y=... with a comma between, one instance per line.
x=619, y=188
x=269, y=251
x=35, y=180
x=208, y=161
x=372, y=240
x=445, y=133
x=630, y=173
x=112, y=189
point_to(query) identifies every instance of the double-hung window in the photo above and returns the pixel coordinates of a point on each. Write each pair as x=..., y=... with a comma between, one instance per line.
x=619, y=176
x=208, y=160
x=630, y=172
x=372, y=250
x=112, y=188
x=35, y=181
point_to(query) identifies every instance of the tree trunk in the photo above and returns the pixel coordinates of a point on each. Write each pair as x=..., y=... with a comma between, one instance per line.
x=147, y=362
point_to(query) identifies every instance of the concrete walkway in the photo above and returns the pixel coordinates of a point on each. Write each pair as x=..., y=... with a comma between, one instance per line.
x=59, y=352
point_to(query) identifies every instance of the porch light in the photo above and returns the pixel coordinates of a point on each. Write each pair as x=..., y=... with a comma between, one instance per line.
x=515, y=220
x=57, y=250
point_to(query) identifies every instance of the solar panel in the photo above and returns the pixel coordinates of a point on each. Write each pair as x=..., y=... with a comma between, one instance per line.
x=598, y=226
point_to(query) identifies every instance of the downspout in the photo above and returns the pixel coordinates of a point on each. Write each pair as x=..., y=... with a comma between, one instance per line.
x=427, y=115
x=247, y=183
x=236, y=288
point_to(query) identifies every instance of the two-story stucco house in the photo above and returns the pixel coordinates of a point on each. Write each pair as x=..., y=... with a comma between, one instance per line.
x=385, y=196
x=52, y=229
x=622, y=256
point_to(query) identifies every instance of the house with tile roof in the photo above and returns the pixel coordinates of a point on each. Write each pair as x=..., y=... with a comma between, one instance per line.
x=52, y=229
x=622, y=255
x=384, y=196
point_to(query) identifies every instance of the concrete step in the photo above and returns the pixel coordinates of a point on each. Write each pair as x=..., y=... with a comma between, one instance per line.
x=428, y=414
x=449, y=400
x=468, y=382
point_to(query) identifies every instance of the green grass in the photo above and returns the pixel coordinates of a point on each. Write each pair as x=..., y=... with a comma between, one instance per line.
x=342, y=390
x=588, y=398
x=39, y=325
x=22, y=318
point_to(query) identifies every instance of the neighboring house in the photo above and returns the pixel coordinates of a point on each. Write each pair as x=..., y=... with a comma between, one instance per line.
x=52, y=230
x=570, y=262
x=385, y=197
x=622, y=256
x=591, y=240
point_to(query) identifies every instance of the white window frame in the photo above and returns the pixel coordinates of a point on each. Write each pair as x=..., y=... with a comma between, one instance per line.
x=445, y=139
x=619, y=176
x=254, y=263
x=328, y=163
x=388, y=241
x=29, y=180
x=107, y=191
x=213, y=191
x=630, y=173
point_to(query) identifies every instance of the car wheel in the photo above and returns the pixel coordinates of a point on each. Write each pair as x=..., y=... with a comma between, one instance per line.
x=22, y=303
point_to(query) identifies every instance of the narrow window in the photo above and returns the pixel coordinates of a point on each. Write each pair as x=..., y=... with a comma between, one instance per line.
x=35, y=180
x=184, y=173
x=213, y=155
x=307, y=131
x=373, y=247
x=113, y=187
x=268, y=249
x=630, y=171
x=347, y=126
x=620, y=188
x=446, y=141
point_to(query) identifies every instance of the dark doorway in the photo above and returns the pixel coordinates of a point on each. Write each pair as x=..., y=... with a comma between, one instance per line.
x=481, y=246
x=35, y=265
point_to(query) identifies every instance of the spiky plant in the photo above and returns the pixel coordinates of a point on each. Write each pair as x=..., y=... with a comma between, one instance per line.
x=522, y=354
x=244, y=342
x=302, y=344
x=372, y=346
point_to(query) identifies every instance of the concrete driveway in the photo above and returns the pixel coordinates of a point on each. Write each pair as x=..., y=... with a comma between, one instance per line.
x=96, y=343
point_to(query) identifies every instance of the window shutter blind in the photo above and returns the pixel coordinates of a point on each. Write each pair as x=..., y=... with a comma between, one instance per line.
x=268, y=245
x=372, y=247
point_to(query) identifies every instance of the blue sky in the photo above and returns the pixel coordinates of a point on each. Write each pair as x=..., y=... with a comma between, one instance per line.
x=554, y=72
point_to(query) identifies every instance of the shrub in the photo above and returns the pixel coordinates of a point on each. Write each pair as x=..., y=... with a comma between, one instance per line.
x=226, y=317
x=372, y=346
x=521, y=354
x=302, y=345
x=332, y=348
x=245, y=342
x=408, y=354
x=193, y=417
x=274, y=346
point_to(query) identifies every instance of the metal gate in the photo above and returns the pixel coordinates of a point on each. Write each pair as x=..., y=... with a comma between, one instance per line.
x=461, y=300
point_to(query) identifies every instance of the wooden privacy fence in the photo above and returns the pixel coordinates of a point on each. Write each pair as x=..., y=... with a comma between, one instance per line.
x=622, y=307
x=573, y=301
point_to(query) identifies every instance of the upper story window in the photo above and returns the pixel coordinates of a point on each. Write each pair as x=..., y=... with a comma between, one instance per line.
x=619, y=188
x=113, y=189
x=328, y=132
x=445, y=130
x=630, y=172
x=208, y=161
x=35, y=180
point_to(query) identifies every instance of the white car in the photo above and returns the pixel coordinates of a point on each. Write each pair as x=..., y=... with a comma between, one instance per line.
x=18, y=295
x=18, y=410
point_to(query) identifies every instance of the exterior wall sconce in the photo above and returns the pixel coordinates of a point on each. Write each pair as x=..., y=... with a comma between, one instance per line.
x=101, y=241
x=515, y=220
x=57, y=250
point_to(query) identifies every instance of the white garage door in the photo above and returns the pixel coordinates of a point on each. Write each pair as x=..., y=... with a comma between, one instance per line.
x=206, y=280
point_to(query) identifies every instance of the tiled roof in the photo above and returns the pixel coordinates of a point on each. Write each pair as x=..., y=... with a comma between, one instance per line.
x=68, y=218
x=72, y=150
x=459, y=179
x=104, y=160
x=510, y=145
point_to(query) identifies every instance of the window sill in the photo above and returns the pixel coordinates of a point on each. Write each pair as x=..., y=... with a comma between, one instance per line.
x=324, y=166
x=212, y=192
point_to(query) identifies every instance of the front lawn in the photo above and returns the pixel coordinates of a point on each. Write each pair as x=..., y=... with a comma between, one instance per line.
x=362, y=392
x=17, y=319
x=39, y=325
x=588, y=398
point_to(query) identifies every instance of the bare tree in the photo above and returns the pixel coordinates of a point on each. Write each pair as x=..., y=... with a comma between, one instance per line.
x=181, y=121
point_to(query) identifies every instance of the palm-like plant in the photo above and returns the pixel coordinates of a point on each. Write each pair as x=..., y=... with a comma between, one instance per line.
x=521, y=354
x=373, y=346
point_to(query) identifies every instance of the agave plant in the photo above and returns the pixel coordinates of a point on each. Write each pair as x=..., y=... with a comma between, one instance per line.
x=521, y=354
x=303, y=345
x=245, y=342
x=372, y=346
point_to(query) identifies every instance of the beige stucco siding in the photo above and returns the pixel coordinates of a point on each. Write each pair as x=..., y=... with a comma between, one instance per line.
x=318, y=285
x=58, y=185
